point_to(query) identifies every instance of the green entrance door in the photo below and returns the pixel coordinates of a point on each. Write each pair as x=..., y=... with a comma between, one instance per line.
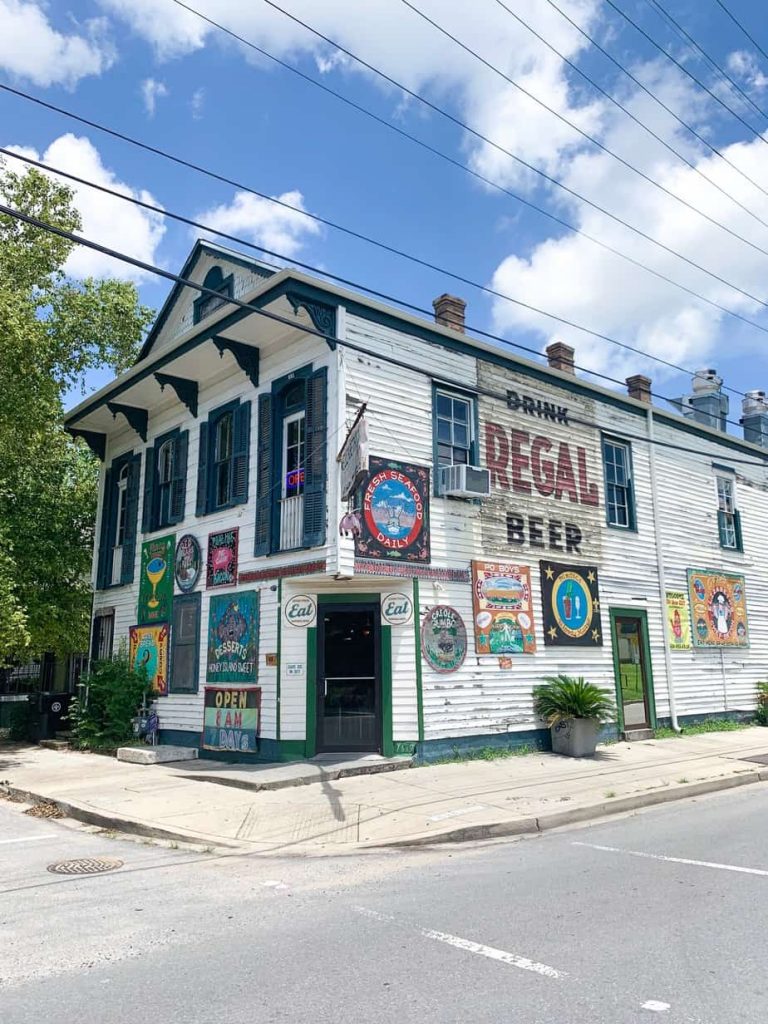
x=631, y=658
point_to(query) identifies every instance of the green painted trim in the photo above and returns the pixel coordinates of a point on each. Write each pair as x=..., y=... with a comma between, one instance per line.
x=403, y=748
x=417, y=655
x=374, y=598
x=310, y=741
x=618, y=439
x=387, y=745
x=278, y=674
x=474, y=443
x=642, y=615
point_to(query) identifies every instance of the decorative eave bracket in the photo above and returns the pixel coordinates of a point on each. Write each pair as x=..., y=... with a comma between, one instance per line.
x=322, y=315
x=95, y=441
x=138, y=419
x=186, y=390
x=246, y=356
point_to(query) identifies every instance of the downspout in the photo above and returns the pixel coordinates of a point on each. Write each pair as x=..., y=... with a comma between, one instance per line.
x=661, y=575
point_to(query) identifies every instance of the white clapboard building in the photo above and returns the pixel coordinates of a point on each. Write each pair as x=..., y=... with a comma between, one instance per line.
x=326, y=524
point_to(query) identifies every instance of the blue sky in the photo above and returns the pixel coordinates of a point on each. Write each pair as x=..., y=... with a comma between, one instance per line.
x=160, y=74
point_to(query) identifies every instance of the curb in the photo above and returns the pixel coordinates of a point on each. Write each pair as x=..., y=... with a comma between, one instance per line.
x=558, y=819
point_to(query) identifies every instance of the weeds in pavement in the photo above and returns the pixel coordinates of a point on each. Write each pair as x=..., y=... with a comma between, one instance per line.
x=484, y=754
x=609, y=793
x=683, y=781
x=699, y=728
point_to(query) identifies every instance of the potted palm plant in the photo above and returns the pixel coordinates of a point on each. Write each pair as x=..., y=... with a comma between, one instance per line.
x=574, y=710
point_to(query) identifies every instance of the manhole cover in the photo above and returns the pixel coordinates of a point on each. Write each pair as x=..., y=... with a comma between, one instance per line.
x=85, y=866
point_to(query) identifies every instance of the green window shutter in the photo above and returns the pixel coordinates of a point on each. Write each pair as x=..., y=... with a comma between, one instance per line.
x=263, y=533
x=131, y=519
x=108, y=511
x=179, y=482
x=721, y=528
x=241, y=452
x=185, y=644
x=315, y=459
x=201, y=508
x=149, y=514
x=737, y=526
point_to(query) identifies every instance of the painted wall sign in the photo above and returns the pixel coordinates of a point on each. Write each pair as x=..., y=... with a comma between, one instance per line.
x=233, y=637
x=718, y=608
x=156, y=580
x=300, y=610
x=188, y=564
x=535, y=407
x=148, y=652
x=222, y=558
x=525, y=463
x=679, y=620
x=503, y=611
x=270, y=660
x=396, y=609
x=570, y=603
x=353, y=459
x=232, y=719
x=443, y=639
x=395, y=512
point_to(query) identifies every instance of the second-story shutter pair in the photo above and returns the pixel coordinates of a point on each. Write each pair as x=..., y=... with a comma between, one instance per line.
x=241, y=437
x=150, y=519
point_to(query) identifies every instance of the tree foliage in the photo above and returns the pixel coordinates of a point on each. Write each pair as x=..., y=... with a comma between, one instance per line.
x=53, y=330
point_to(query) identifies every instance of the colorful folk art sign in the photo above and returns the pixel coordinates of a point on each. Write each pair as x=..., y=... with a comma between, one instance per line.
x=233, y=637
x=570, y=604
x=232, y=718
x=222, y=558
x=188, y=564
x=156, y=580
x=718, y=609
x=501, y=600
x=443, y=639
x=679, y=620
x=148, y=653
x=395, y=512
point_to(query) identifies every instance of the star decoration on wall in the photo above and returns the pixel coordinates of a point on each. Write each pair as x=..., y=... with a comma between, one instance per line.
x=591, y=576
x=596, y=604
x=596, y=635
x=552, y=632
x=549, y=572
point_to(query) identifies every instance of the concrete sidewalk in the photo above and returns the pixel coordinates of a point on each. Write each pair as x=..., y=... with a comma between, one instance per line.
x=439, y=803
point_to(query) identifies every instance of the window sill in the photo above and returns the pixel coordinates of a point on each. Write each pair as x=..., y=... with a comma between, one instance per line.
x=622, y=529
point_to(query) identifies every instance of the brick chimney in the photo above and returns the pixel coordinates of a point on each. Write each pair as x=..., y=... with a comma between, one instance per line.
x=639, y=387
x=560, y=357
x=449, y=311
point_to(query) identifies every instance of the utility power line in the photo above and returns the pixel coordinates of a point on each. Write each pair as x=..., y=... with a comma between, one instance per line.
x=741, y=27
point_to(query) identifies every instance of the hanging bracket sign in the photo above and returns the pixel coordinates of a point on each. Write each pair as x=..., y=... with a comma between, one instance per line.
x=353, y=456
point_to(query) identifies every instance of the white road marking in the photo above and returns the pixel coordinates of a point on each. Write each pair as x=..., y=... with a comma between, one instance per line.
x=272, y=883
x=677, y=860
x=29, y=839
x=501, y=955
x=656, y=1006
x=455, y=814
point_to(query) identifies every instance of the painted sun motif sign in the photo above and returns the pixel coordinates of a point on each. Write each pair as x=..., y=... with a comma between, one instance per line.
x=231, y=718
x=679, y=620
x=156, y=579
x=443, y=639
x=501, y=599
x=718, y=609
x=395, y=520
x=233, y=637
x=148, y=652
x=570, y=604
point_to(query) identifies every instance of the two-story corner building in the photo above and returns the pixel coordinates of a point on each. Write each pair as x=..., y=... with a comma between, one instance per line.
x=326, y=524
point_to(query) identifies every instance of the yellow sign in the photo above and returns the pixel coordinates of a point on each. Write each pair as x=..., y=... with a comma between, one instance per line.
x=718, y=608
x=679, y=620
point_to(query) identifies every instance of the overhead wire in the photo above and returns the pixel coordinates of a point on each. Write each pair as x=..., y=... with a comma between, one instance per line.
x=742, y=28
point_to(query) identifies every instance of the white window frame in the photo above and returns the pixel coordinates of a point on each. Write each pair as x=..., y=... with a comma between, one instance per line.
x=469, y=400
x=730, y=513
x=287, y=420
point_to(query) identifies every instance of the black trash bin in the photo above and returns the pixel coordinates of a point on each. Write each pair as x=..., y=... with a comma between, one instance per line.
x=48, y=711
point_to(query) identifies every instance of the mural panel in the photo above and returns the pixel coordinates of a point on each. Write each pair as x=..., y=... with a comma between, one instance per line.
x=718, y=608
x=233, y=637
x=395, y=512
x=501, y=599
x=570, y=602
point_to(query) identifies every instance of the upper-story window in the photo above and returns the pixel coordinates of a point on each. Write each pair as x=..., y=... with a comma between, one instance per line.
x=728, y=518
x=165, y=481
x=222, y=472
x=207, y=303
x=619, y=494
x=119, y=514
x=454, y=428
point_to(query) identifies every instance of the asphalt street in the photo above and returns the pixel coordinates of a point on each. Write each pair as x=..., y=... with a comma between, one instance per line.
x=655, y=916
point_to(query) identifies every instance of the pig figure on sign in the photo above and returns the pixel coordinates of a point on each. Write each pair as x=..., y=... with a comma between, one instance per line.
x=350, y=525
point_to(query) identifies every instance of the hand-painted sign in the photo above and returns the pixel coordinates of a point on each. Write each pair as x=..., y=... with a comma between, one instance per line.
x=501, y=599
x=233, y=637
x=148, y=653
x=443, y=639
x=679, y=620
x=396, y=609
x=395, y=512
x=300, y=610
x=222, y=558
x=232, y=719
x=718, y=608
x=156, y=580
x=189, y=562
x=570, y=604
x=353, y=458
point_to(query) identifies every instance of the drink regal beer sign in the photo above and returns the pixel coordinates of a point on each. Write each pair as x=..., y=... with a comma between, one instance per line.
x=395, y=507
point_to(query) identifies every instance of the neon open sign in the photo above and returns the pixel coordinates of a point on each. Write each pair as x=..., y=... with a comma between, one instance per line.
x=294, y=479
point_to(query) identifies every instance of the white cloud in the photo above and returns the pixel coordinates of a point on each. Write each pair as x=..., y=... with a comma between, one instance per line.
x=106, y=219
x=197, y=103
x=275, y=227
x=151, y=92
x=746, y=67
x=31, y=48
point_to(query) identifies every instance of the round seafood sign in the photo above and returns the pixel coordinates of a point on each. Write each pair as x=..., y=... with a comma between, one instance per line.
x=443, y=639
x=300, y=610
x=396, y=609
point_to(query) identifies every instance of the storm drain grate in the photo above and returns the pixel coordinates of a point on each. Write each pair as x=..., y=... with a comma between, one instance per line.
x=85, y=866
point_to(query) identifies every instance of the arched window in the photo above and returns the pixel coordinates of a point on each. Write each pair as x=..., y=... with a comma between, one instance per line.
x=207, y=303
x=122, y=505
x=165, y=474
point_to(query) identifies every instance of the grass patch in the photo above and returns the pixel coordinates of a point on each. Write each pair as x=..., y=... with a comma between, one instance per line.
x=484, y=754
x=700, y=728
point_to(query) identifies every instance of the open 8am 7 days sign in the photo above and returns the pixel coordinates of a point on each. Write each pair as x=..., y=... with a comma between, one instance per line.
x=232, y=718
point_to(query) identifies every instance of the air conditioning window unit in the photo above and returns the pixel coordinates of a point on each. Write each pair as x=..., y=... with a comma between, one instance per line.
x=465, y=481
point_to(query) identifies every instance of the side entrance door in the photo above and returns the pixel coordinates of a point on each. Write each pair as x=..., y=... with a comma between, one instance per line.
x=348, y=678
x=632, y=667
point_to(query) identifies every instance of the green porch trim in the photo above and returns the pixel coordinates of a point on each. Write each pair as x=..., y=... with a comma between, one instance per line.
x=417, y=656
x=310, y=742
x=633, y=613
x=387, y=746
x=278, y=674
x=373, y=598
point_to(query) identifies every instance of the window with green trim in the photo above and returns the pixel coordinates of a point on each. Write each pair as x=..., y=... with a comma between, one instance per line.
x=224, y=452
x=619, y=492
x=119, y=514
x=165, y=481
x=206, y=304
x=728, y=518
x=454, y=428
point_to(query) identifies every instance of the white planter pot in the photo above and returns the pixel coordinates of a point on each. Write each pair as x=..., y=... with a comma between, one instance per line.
x=575, y=737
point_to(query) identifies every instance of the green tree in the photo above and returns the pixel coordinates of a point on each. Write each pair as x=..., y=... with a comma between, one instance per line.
x=53, y=330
